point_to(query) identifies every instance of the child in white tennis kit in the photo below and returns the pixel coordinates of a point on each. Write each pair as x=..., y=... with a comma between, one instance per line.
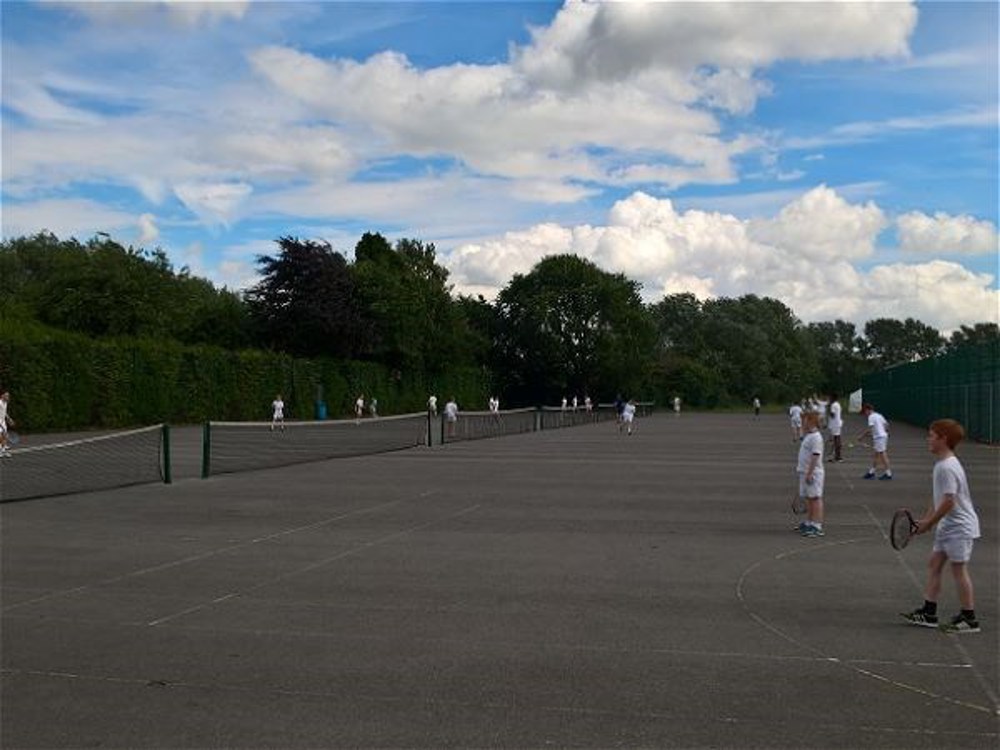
x=952, y=512
x=628, y=416
x=878, y=428
x=278, y=413
x=811, y=475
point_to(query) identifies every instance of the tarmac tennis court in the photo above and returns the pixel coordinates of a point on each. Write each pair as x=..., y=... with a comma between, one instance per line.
x=563, y=588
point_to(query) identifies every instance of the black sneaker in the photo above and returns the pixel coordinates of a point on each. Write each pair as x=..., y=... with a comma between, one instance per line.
x=920, y=618
x=961, y=624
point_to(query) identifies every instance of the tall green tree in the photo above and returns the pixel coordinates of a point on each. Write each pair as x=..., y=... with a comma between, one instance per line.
x=760, y=347
x=974, y=335
x=307, y=303
x=838, y=349
x=416, y=325
x=569, y=328
x=892, y=342
x=102, y=288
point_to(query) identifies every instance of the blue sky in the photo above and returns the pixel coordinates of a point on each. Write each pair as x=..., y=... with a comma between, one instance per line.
x=841, y=157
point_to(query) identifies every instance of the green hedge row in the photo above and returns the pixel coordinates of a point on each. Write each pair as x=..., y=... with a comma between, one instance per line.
x=63, y=381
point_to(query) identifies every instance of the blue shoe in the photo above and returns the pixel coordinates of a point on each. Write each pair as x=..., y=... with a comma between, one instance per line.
x=885, y=478
x=869, y=475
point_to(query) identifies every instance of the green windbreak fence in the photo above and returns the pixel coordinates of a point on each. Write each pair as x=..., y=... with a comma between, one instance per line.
x=963, y=386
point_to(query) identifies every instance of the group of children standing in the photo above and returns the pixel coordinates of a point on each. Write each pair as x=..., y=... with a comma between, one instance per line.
x=950, y=513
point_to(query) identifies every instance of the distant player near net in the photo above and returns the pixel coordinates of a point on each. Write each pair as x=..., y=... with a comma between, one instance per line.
x=432, y=405
x=277, y=413
x=628, y=416
x=677, y=406
x=359, y=406
x=956, y=527
x=835, y=423
x=451, y=416
x=878, y=429
x=795, y=420
x=5, y=420
x=756, y=408
x=811, y=475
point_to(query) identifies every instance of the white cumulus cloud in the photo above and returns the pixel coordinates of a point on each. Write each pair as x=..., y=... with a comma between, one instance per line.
x=945, y=234
x=805, y=256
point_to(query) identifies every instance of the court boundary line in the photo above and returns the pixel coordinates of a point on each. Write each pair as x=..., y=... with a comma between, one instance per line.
x=205, y=555
x=313, y=566
x=852, y=665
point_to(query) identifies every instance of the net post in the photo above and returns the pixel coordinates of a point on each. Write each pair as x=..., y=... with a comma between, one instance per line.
x=430, y=430
x=165, y=440
x=206, y=450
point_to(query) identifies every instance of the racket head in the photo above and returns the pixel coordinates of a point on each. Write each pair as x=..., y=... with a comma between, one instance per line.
x=798, y=505
x=13, y=438
x=901, y=529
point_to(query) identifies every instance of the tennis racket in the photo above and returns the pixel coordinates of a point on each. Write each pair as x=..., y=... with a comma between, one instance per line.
x=798, y=504
x=902, y=528
x=13, y=439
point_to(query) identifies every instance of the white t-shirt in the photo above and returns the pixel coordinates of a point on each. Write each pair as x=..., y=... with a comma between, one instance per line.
x=811, y=444
x=878, y=425
x=3, y=416
x=795, y=413
x=432, y=403
x=961, y=521
x=628, y=413
x=451, y=411
x=279, y=408
x=836, y=422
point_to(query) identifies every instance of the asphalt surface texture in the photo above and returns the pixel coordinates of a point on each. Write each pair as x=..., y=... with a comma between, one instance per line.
x=576, y=588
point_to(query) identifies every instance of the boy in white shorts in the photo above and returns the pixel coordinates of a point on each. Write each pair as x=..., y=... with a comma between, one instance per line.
x=878, y=429
x=954, y=515
x=277, y=413
x=811, y=475
x=628, y=416
x=795, y=419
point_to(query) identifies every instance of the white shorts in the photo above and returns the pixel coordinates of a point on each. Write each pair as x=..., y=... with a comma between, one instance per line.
x=627, y=418
x=957, y=548
x=880, y=444
x=813, y=489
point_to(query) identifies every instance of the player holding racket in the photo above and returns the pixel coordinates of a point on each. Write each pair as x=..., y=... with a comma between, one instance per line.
x=957, y=526
x=811, y=475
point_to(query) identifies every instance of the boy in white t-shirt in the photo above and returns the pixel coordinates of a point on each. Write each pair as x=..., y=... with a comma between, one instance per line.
x=878, y=429
x=835, y=423
x=628, y=416
x=277, y=413
x=795, y=419
x=957, y=527
x=811, y=475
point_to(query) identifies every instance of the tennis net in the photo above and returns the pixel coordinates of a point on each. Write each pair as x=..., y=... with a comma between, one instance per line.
x=115, y=460
x=476, y=425
x=555, y=417
x=245, y=446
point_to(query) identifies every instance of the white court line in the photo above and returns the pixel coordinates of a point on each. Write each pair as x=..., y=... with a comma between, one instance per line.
x=853, y=665
x=815, y=725
x=963, y=652
x=312, y=566
x=203, y=555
